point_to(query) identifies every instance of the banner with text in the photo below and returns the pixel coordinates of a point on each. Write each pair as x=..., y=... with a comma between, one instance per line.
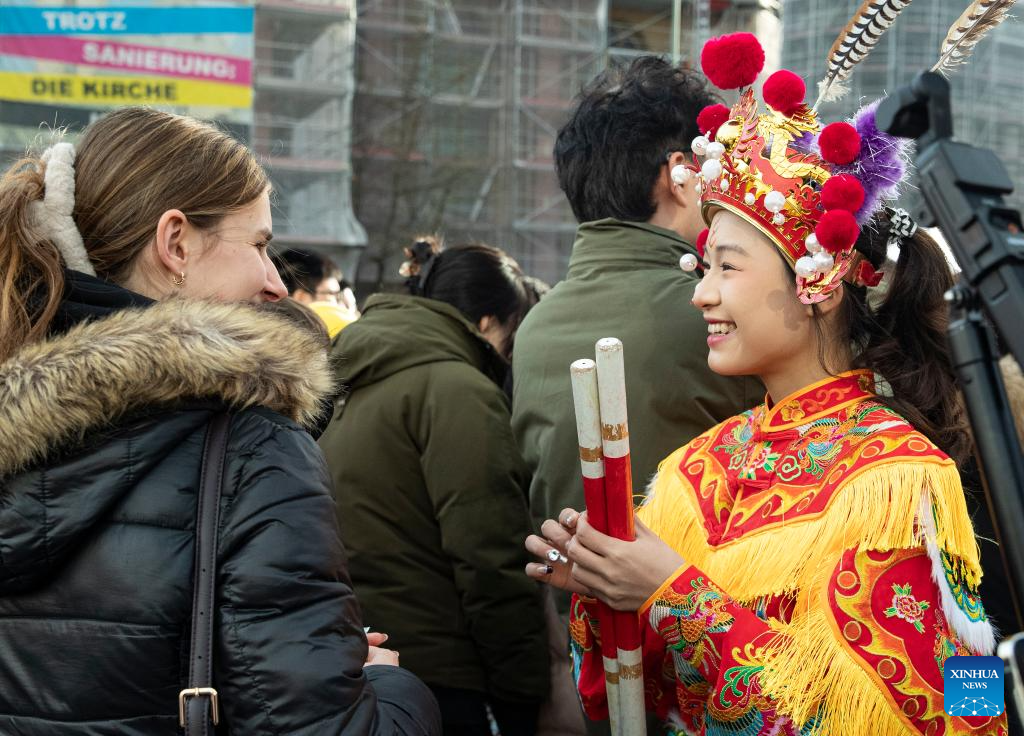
x=191, y=59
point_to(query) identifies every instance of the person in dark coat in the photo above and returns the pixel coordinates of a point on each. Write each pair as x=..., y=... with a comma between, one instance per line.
x=431, y=489
x=126, y=326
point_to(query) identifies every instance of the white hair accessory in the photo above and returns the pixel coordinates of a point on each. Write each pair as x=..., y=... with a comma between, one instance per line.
x=53, y=213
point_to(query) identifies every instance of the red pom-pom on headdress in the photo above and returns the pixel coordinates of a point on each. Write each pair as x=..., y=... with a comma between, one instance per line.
x=839, y=143
x=711, y=118
x=837, y=230
x=733, y=60
x=784, y=91
x=842, y=192
x=702, y=241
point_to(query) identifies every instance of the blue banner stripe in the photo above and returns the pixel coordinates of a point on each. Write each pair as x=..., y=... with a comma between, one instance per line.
x=39, y=20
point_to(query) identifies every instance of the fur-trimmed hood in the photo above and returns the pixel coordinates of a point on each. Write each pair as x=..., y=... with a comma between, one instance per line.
x=56, y=391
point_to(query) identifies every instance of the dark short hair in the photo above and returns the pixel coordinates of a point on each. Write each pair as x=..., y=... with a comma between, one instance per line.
x=304, y=269
x=624, y=125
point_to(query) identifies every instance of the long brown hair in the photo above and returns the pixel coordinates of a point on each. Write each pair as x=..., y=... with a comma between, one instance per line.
x=902, y=336
x=132, y=166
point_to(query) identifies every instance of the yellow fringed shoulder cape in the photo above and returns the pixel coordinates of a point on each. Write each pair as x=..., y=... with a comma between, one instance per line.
x=788, y=503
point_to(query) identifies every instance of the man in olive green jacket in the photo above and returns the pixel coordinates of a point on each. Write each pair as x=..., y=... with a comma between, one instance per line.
x=614, y=159
x=622, y=282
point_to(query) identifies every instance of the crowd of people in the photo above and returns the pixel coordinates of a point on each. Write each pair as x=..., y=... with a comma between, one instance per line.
x=401, y=541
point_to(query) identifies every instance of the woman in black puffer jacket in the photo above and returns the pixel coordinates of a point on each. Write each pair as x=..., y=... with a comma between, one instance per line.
x=108, y=383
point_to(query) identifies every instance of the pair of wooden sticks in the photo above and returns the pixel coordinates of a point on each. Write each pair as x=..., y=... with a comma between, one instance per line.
x=599, y=395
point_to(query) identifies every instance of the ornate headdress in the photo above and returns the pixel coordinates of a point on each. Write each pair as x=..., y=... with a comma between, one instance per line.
x=808, y=188
x=811, y=188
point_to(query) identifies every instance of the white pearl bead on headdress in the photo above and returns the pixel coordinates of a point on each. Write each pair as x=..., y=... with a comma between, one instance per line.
x=711, y=169
x=774, y=201
x=681, y=174
x=688, y=262
x=805, y=267
x=823, y=261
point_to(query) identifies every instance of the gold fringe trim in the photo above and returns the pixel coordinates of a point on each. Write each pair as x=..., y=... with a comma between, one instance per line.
x=874, y=509
x=809, y=674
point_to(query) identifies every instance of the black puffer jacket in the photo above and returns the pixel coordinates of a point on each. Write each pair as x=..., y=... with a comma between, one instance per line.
x=101, y=432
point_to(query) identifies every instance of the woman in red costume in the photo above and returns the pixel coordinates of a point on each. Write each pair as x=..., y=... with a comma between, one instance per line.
x=807, y=566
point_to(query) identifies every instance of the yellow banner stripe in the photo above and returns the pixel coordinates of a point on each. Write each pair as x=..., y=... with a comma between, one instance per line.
x=115, y=91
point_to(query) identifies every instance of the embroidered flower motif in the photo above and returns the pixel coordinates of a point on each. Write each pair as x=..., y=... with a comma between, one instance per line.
x=907, y=607
x=791, y=411
x=686, y=621
x=762, y=459
x=578, y=627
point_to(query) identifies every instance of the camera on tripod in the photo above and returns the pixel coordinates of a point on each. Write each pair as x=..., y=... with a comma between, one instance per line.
x=962, y=188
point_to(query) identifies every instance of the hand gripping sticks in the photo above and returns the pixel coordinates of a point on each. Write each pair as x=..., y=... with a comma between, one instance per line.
x=599, y=393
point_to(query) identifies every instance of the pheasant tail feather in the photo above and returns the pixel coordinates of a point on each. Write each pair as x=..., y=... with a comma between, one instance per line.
x=860, y=36
x=973, y=25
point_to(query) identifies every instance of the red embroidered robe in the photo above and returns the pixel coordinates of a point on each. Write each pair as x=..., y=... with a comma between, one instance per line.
x=831, y=570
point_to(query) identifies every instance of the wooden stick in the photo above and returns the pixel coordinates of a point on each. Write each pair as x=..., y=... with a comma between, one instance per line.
x=588, y=428
x=618, y=484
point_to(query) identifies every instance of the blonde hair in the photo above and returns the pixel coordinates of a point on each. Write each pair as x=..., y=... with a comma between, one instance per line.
x=131, y=166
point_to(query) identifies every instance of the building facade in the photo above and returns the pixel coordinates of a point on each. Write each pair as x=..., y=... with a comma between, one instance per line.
x=302, y=110
x=458, y=104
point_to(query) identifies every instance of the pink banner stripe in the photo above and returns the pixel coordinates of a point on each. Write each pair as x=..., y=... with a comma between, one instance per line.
x=148, y=59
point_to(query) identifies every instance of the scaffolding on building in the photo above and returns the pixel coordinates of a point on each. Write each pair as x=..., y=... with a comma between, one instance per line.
x=457, y=108
x=304, y=86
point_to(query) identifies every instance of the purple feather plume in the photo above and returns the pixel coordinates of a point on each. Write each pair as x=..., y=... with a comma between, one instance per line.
x=881, y=164
x=805, y=143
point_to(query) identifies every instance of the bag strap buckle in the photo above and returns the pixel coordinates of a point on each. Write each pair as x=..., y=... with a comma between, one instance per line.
x=197, y=692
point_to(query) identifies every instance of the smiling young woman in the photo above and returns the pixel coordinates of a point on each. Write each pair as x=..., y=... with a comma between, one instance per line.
x=809, y=565
x=756, y=325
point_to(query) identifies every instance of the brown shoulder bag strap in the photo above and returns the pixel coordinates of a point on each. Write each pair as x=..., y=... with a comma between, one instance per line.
x=198, y=707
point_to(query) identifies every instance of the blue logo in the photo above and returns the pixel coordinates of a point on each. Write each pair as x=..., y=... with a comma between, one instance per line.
x=973, y=686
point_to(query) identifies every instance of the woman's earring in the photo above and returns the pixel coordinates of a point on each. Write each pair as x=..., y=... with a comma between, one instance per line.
x=179, y=279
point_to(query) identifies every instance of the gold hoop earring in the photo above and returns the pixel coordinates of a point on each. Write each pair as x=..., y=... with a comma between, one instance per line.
x=178, y=280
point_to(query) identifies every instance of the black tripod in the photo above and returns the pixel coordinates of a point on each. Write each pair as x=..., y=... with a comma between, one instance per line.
x=963, y=188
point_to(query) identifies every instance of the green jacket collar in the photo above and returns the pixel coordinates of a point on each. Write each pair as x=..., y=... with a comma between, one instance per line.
x=398, y=332
x=617, y=245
